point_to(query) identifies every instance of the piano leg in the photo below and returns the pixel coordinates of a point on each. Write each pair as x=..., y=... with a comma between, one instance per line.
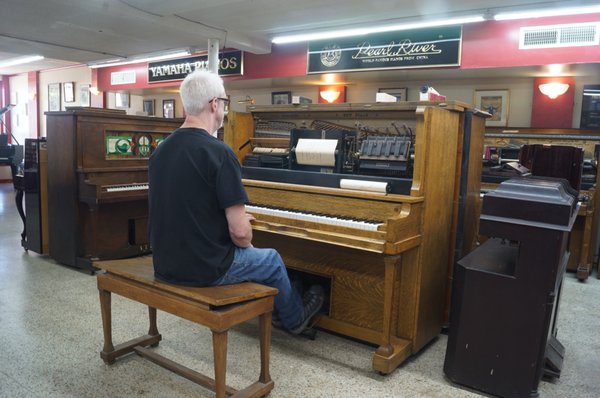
x=19, y=203
x=392, y=351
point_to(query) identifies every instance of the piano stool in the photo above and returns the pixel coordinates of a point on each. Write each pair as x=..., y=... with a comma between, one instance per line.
x=217, y=307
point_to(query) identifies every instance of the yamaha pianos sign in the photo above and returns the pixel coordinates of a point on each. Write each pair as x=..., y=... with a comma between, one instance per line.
x=230, y=64
x=418, y=48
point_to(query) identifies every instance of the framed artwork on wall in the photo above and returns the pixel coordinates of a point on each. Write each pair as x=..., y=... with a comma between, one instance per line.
x=54, y=97
x=69, y=91
x=494, y=102
x=149, y=107
x=84, y=95
x=281, y=97
x=169, y=108
x=122, y=100
x=590, y=107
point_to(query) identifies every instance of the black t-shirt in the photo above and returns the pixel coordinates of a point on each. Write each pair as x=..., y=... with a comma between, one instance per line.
x=193, y=178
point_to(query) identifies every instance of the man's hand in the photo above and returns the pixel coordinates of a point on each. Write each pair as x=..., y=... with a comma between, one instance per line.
x=240, y=229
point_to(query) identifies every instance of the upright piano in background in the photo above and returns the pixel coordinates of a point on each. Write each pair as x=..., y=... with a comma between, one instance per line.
x=98, y=183
x=502, y=146
x=506, y=295
x=384, y=255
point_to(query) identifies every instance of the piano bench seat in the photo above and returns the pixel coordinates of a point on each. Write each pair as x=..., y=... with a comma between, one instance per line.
x=217, y=307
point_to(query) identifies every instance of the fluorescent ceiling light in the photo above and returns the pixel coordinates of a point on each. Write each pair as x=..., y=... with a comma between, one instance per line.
x=134, y=60
x=375, y=29
x=20, y=60
x=551, y=12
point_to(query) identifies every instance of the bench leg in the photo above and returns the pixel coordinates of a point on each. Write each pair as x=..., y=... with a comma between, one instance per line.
x=153, y=330
x=220, y=358
x=265, y=346
x=105, y=309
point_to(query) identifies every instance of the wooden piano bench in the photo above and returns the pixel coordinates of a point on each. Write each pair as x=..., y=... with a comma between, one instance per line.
x=217, y=307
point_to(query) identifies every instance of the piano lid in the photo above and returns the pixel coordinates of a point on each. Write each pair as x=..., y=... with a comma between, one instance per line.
x=531, y=199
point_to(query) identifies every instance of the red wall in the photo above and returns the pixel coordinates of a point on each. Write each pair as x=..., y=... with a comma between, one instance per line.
x=495, y=44
x=490, y=44
x=283, y=61
x=5, y=100
x=552, y=113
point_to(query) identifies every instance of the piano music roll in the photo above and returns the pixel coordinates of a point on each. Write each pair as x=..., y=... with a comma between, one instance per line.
x=267, y=150
x=316, y=152
x=361, y=185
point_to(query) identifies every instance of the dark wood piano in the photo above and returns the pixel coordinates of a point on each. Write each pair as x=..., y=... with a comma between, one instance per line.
x=386, y=255
x=98, y=183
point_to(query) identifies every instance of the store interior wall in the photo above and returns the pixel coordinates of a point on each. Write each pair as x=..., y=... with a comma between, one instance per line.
x=521, y=92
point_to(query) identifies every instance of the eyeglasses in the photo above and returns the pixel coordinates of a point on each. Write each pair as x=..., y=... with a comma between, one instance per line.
x=224, y=100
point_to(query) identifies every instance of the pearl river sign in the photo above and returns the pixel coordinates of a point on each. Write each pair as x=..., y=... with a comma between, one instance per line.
x=231, y=63
x=418, y=48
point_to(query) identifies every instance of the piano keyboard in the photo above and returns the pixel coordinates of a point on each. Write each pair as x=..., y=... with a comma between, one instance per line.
x=295, y=215
x=126, y=187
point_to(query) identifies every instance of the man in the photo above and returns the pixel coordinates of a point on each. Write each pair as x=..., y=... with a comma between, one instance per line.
x=199, y=229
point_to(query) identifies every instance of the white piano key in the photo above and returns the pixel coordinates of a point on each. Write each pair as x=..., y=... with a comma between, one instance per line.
x=129, y=187
x=302, y=216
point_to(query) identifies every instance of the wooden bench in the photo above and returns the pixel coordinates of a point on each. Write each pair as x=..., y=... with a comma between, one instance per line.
x=218, y=308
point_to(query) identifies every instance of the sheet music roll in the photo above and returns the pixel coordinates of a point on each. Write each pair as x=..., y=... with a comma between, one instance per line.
x=315, y=152
x=361, y=185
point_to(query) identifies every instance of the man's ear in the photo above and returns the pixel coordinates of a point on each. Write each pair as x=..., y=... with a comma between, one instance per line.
x=213, y=105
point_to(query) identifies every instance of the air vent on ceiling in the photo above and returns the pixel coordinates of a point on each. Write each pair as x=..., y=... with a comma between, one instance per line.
x=571, y=35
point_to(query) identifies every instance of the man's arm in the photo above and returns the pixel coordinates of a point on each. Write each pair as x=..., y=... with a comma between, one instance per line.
x=240, y=229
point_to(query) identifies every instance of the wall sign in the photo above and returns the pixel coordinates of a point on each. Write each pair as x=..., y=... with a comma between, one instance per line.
x=418, y=48
x=230, y=64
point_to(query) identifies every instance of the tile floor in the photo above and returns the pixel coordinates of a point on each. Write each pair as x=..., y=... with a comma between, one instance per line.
x=50, y=338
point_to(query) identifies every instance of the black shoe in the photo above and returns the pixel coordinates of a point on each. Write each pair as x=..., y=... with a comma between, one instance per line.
x=313, y=301
x=276, y=322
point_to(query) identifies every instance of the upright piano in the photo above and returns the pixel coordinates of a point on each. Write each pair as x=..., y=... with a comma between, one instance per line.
x=377, y=212
x=98, y=183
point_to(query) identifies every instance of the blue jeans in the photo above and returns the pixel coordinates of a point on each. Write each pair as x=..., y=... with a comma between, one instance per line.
x=266, y=266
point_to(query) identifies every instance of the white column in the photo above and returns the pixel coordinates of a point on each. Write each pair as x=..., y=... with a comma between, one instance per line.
x=213, y=55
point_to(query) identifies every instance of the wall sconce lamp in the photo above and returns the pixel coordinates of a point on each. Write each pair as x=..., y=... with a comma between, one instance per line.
x=553, y=90
x=248, y=100
x=94, y=90
x=332, y=94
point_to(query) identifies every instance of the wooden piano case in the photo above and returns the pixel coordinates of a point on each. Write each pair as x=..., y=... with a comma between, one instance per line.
x=387, y=287
x=90, y=150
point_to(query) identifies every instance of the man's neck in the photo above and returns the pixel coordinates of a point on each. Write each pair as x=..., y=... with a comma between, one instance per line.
x=197, y=122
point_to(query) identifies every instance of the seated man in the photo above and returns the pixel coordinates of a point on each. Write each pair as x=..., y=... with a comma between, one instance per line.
x=199, y=229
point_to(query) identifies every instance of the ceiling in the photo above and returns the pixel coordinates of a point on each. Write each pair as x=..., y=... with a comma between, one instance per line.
x=71, y=32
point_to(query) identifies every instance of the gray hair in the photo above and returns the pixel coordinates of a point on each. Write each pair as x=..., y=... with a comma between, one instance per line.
x=197, y=89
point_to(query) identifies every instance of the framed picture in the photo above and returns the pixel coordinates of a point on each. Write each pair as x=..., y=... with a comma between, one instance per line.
x=281, y=97
x=149, y=107
x=399, y=93
x=84, y=95
x=122, y=100
x=494, y=102
x=590, y=107
x=54, y=97
x=69, y=91
x=169, y=108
